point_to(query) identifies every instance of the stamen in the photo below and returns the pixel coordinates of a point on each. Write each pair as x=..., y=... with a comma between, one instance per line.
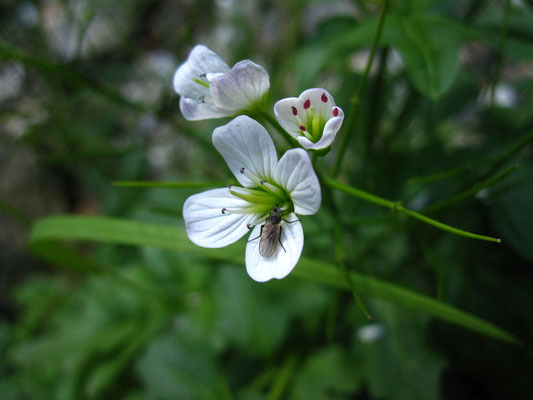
x=229, y=186
x=273, y=188
x=224, y=210
x=294, y=110
x=335, y=112
x=309, y=136
x=302, y=128
x=202, y=99
x=242, y=190
x=324, y=98
x=244, y=210
x=307, y=104
x=200, y=82
x=253, y=199
x=260, y=182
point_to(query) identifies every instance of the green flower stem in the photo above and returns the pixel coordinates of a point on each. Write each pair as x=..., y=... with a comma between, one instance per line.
x=66, y=74
x=494, y=162
x=356, y=100
x=397, y=207
x=340, y=254
x=283, y=378
x=274, y=123
x=163, y=185
x=469, y=192
x=20, y=217
x=501, y=48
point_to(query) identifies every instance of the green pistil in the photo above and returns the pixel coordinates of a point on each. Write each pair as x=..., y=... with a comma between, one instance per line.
x=315, y=133
x=200, y=82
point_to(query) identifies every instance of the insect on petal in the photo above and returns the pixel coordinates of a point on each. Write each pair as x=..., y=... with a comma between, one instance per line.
x=279, y=265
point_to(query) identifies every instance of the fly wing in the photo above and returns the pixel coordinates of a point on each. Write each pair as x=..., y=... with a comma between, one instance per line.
x=269, y=240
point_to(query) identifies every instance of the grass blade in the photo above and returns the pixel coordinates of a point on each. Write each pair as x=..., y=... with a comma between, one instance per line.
x=119, y=231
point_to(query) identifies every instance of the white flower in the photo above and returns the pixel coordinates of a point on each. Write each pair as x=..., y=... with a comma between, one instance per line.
x=313, y=118
x=210, y=89
x=219, y=217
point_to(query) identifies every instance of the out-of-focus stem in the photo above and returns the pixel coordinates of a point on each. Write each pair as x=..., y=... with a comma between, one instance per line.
x=356, y=100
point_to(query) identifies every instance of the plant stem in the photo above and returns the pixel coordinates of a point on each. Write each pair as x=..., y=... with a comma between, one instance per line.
x=439, y=205
x=179, y=185
x=356, y=100
x=284, y=376
x=340, y=254
x=494, y=162
x=397, y=207
x=501, y=48
x=20, y=217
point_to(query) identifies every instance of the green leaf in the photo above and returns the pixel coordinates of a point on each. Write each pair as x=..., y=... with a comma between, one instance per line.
x=258, y=324
x=512, y=216
x=396, y=360
x=429, y=49
x=178, y=367
x=327, y=374
x=113, y=230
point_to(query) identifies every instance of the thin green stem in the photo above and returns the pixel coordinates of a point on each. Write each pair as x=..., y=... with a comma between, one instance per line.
x=66, y=74
x=397, y=207
x=356, y=100
x=180, y=185
x=439, y=205
x=501, y=48
x=20, y=217
x=275, y=124
x=340, y=253
x=494, y=162
x=283, y=378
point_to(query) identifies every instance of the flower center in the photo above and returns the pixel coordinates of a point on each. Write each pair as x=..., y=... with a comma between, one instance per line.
x=262, y=198
x=312, y=120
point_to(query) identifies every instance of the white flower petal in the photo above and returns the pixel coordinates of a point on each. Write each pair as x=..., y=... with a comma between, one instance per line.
x=335, y=123
x=295, y=173
x=316, y=97
x=324, y=142
x=193, y=110
x=201, y=61
x=205, y=223
x=243, y=142
x=243, y=85
x=278, y=266
x=283, y=110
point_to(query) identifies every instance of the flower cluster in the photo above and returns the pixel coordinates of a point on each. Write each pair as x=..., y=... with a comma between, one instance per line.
x=272, y=192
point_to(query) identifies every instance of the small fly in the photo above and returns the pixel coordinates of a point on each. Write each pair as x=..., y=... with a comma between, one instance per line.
x=270, y=233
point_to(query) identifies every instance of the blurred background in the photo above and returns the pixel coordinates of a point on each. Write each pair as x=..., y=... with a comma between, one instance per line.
x=445, y=126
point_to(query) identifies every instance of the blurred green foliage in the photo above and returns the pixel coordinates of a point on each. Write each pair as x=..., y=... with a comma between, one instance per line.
x=86, y=100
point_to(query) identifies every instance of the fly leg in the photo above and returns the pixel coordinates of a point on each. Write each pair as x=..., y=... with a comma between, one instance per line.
x=279, y=239
x=260, y=233
x=291, y=222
